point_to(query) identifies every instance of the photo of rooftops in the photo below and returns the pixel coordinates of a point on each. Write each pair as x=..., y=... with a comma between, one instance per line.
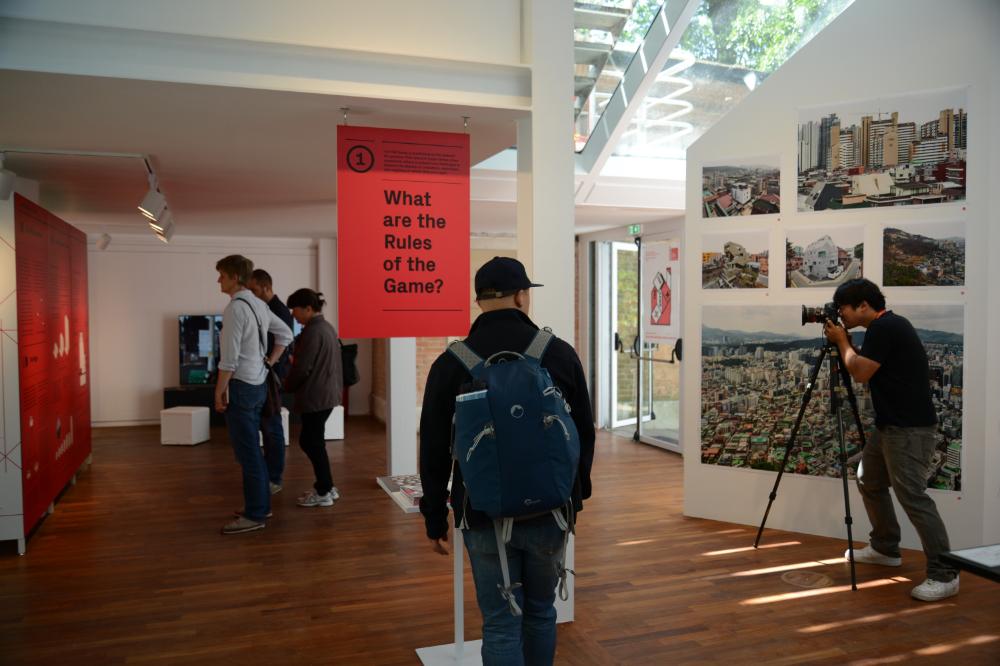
x=736, y=189
x=901, y=151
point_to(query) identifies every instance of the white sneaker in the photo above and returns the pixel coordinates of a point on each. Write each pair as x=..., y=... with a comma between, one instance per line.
x=869, y=555
x=311, y=498
x=334, y=493
x=935, y=590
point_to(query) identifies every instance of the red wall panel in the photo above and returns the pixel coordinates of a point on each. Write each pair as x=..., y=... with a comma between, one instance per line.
x=54, y=348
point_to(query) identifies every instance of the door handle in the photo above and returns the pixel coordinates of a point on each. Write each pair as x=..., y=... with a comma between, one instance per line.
x=619, y=347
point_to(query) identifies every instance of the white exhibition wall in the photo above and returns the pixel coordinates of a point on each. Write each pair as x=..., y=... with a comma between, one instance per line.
x=874, y=50
x=138, y=287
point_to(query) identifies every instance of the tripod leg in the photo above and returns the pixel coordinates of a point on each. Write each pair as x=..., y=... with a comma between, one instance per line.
x=790, y=444
x=848, y=521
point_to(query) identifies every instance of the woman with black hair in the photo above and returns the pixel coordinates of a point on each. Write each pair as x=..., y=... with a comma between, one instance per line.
x=317, y=380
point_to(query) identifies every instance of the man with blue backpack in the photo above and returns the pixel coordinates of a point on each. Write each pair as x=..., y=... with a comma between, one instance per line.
x=506, y=415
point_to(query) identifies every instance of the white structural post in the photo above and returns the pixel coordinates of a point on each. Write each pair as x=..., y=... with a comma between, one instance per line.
x=545, y=165
x=401, y=406
x=460, y=652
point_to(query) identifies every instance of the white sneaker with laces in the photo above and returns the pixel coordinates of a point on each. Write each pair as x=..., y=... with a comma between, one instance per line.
x=935, y=590
x=869, y=555
x=311, y=498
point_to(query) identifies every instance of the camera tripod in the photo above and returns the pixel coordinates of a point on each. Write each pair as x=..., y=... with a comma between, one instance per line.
x=840, y=386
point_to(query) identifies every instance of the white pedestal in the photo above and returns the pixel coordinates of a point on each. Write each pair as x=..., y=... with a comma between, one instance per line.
x=184, y=425
x=461, y=651
x=284, y=426
x=335, y=424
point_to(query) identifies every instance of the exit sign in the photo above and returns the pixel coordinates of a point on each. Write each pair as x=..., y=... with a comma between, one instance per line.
x=634, y=229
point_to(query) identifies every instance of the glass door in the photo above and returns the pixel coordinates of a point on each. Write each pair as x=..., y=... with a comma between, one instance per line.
x=640, y=330
x=624, y=331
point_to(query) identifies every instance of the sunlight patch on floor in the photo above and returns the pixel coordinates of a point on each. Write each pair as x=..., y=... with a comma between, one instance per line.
x=788, y=567
x=730, y=551
x=790, y=596
x=870, y=619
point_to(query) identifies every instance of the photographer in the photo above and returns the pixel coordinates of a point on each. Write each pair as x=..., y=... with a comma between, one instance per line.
x=893, y=362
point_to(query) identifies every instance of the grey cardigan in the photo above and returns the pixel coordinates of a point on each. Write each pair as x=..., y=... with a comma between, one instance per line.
x=317, y=376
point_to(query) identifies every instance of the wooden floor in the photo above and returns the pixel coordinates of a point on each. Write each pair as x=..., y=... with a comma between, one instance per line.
x=131, y=568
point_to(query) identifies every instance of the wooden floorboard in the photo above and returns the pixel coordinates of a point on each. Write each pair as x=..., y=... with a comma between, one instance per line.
x=131, y=568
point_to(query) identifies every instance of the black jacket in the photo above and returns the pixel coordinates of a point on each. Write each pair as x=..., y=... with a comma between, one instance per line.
x=317, y=376
x=500, y=330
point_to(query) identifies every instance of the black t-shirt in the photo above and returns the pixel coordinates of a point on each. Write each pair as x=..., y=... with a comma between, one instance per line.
x=901, y=390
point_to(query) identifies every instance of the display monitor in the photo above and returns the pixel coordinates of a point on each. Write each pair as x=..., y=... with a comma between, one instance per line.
x=199, y=348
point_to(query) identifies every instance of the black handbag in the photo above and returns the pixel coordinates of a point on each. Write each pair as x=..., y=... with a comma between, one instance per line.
x=272, y=399
x=349, y=358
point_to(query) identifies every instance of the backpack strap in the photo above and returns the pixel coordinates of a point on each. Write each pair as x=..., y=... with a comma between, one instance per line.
x=260, y=329
x=502, y=528
x=470, y=359
x=539, y=344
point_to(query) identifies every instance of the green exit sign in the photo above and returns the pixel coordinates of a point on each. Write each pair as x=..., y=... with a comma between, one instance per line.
x=634, y=229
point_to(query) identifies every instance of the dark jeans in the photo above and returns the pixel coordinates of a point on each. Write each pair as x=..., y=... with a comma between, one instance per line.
x=533, y=554
x=900, y=457
x=312, y=442
x=243, y=423
x=274, y=446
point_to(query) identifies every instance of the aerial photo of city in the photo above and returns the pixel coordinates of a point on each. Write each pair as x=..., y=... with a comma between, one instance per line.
x=756, y=361
x=886, y=152
x=735, y=260
x=815, y=258
x=747, y=189
x=924, y=255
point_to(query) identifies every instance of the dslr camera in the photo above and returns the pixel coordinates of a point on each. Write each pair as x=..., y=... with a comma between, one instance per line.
x=820, y=315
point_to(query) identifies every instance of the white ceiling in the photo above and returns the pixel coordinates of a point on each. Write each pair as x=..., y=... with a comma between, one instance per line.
x=230, y=160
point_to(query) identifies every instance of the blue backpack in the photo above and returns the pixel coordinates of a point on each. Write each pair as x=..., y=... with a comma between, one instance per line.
x=516, y=444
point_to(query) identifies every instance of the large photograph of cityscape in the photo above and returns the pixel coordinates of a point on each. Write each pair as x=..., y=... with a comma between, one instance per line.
x=736, y=260
x=884, y=152
x=823, y=257
x=756, y=361
x=924, y=254
x=741, y=188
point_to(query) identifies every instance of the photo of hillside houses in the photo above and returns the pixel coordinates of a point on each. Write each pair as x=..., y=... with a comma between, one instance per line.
x=923, y=255
x=735, y=260
x=756, y=362
x=741, y=189
x=823, y=257
x=885, y=152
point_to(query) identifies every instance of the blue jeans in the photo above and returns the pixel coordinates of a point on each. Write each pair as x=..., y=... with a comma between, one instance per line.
x=274, y=447
x=243, y=423
x=900, y=457
x=533, y=555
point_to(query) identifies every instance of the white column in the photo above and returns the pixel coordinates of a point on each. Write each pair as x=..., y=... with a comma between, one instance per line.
x=545, y=167
x=401, y=406
x=326, y=278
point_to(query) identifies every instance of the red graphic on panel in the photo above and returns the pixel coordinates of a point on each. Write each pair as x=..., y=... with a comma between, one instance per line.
x=402, y=232
x=52, y=329
x=659, y=309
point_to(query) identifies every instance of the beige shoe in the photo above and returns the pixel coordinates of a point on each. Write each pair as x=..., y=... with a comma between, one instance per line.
x=241, y=525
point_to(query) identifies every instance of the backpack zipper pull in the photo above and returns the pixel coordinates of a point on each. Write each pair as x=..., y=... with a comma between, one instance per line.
x=488, y=430
x=550, y=418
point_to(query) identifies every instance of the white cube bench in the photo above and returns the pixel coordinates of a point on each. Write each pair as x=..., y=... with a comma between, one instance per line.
x=335, y=424
x=284, y=426
x=184, y=425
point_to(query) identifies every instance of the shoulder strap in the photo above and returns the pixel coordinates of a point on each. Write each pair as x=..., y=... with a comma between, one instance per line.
x=260, y=329
x=539, y=344
x=465, y=355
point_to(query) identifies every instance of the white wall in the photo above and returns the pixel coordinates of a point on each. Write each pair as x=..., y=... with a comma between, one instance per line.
x=138, y=287
x=480, y=30
x=945, y=45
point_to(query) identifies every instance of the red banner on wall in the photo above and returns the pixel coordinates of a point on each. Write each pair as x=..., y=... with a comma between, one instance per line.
x=53, y=350
x=402, y=232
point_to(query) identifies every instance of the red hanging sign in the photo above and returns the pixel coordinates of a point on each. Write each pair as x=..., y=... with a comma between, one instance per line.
x=402, y=233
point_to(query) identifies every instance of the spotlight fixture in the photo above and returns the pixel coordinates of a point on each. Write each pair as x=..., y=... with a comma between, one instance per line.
x=153, y=204
x=104, y=241
x=7, y=178
x=167, y=232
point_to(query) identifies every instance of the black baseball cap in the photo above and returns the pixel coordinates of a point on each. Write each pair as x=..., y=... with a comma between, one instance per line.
x=501, y=276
